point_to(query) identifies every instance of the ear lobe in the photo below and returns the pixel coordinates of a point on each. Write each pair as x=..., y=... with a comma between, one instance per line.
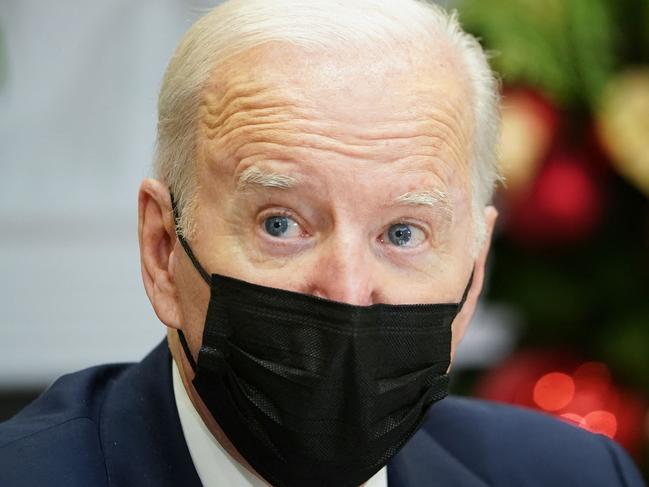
x=466, y=313
x=157, y=241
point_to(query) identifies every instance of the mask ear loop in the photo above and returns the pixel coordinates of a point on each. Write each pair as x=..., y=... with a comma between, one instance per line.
x=466, y=290
x=188, y=353
x=197, y=265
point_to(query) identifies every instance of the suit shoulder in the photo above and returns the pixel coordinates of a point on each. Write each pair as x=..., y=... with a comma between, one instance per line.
x=507, y=426
x=56, y=437
x=510, y=443
x=71, y=397
x=67, y=453
x=498, y=420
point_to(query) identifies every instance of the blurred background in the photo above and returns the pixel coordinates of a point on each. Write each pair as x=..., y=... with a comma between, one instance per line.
x=571, y=256
x=564, y=323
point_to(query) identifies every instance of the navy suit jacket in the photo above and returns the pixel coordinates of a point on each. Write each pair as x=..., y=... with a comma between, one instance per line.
x=117, y=425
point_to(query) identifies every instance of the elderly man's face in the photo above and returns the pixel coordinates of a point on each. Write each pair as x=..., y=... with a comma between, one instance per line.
x=337, y=176
x=341, y=176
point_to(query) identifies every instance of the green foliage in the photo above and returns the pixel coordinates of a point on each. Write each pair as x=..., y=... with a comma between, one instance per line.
x=626, y=346
x=567, y=48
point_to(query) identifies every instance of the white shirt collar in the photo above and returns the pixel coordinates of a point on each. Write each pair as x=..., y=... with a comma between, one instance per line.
x=215, y=466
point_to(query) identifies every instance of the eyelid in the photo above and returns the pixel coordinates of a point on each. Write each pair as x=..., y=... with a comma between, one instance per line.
x=269, y=212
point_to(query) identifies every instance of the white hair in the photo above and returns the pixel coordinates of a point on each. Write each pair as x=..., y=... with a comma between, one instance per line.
x=236, y=26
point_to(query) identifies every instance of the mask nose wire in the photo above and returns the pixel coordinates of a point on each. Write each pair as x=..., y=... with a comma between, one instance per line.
x=199, y=268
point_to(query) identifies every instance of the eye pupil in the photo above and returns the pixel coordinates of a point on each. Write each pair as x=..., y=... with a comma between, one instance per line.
x=400, y=234
x=276, y=225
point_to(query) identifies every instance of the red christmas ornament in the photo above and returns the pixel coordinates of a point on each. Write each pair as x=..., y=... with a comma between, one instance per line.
x=564, y=205
x=581, y=393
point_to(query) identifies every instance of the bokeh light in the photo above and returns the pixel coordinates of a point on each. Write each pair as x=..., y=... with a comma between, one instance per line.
x=602, y=422
x=554, y=391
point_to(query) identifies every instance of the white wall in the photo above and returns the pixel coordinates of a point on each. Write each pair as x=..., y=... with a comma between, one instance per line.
x=77, y=121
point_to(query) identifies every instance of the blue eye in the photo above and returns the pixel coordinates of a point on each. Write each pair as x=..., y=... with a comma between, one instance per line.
x=404, y=235
x=281, y=226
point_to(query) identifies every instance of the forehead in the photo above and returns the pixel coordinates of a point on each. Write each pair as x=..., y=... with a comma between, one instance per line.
x=371, y=105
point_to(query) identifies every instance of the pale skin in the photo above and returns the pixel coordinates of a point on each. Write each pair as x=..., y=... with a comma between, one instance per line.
x=350, y=135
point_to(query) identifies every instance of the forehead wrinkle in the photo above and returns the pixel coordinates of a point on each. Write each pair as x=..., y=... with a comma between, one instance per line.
x=236, y=94
x=217, y=126
x=218, y=115
x=449, y=120
x=273, y=116
x=278, y=142
x=456, y=115
x=233, y=88
x=424, y=138
x=245, y=114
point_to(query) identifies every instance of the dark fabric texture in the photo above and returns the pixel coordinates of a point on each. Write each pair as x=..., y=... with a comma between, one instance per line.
x=317, y=392
x=113, y=425
x=117, y=425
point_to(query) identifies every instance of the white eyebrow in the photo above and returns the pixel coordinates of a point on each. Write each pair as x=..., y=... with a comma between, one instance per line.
x=433, y=198
x=254, y=176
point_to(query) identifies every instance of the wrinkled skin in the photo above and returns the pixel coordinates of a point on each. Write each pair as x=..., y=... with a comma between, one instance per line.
x=345, y=136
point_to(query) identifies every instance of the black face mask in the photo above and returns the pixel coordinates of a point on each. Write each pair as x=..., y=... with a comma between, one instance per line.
x=315, y=392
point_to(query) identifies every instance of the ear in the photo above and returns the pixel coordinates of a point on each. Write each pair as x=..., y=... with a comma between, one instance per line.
x=464, y=317
x=157, y=236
